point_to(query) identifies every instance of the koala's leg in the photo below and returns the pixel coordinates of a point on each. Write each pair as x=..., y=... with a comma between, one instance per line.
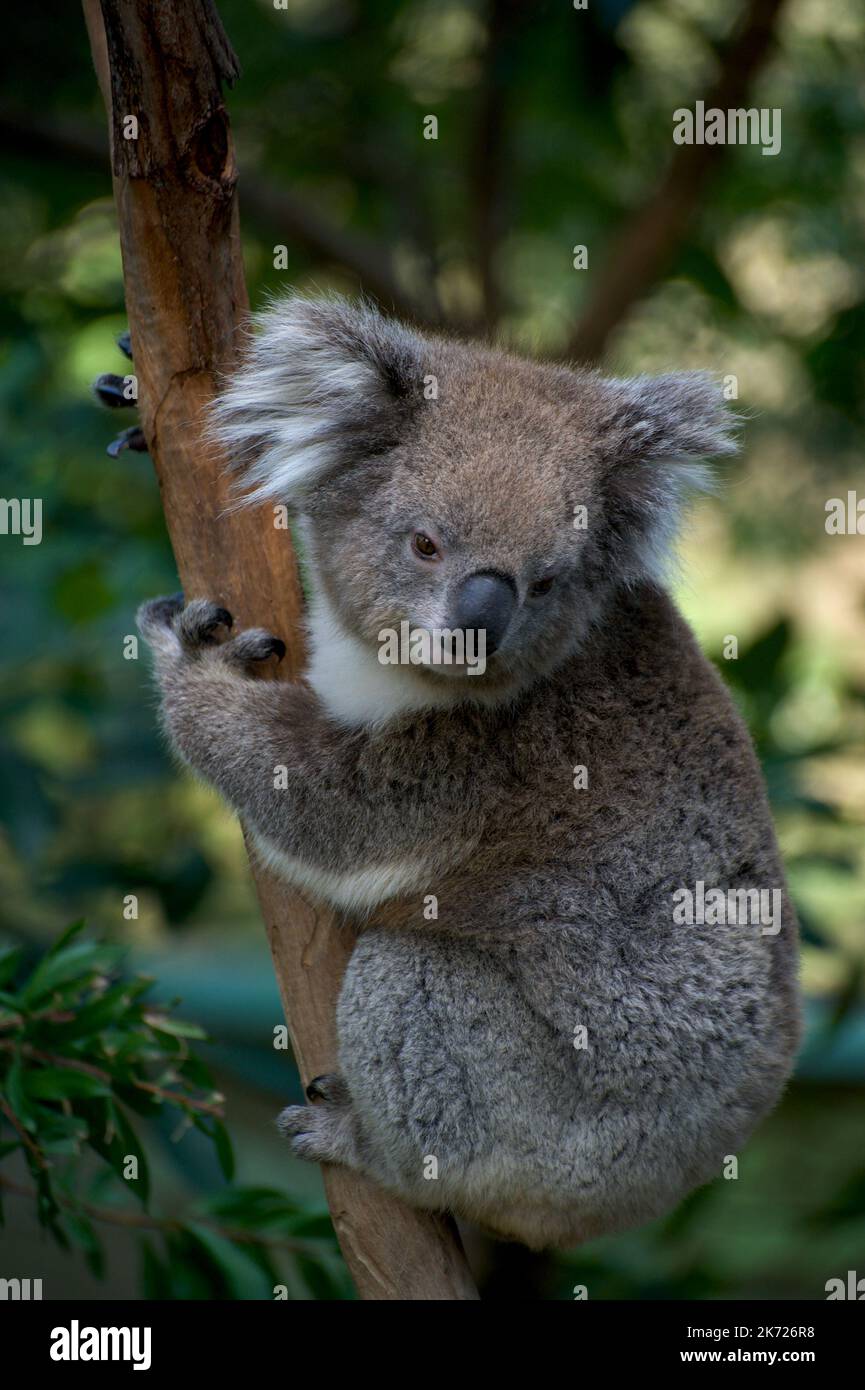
x=325, y=1131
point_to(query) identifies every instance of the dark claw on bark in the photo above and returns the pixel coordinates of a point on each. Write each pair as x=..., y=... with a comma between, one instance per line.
x=163, y=610
x=220, y=617
x=329, y=1087
x=129, y=439
x=111, y=390
x=124, y=342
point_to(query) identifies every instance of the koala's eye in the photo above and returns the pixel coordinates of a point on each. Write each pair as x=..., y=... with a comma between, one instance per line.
x=424, y=546
x=543, y=586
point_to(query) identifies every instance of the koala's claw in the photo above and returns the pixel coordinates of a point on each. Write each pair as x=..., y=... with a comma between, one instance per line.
x=110, y=389
x=133, y=439
x=328, y=1087
x=253, y=646
x=159, y=613
x=199, y=620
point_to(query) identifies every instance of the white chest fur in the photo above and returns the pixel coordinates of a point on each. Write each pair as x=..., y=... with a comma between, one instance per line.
x=352, y=890
x=352, y=684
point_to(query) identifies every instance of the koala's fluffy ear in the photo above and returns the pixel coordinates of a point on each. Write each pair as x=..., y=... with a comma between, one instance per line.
x=656, y=434
x=324, y=384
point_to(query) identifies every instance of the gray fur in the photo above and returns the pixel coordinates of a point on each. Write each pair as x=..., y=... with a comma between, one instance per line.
x=554, y=905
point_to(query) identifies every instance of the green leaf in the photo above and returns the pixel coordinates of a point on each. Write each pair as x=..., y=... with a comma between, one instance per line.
x=16, y=1093
x=84, y=1236
x=65, y=937
x=190, y=1272
x=97, y=1014
x=47, y=1207
x=126, y=1143
x=10, y=959
x=112, y=1137
x=224, y=1150
x=77, y=963
x=63, y=1083
x=194, y=1070
x=59, y=1134
x=154, y=1274
x=135, y=1044
x=255, y=1208
x=99, y=1119
x=241, y=1276
x=843, y=1207
x=176, y=1027
x=143, y=1103
x=322, y=1284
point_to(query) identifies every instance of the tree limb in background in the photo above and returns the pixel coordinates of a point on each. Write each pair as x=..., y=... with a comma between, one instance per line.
x=487, y=156
x=277, y=212
x=642, y=250
x=162, y=62
x=272, y=206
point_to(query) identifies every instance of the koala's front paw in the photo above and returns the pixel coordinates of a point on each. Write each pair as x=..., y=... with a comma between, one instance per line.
x=156, y=620
x=323, y=1132
x=166, y=624
x=315, y=1132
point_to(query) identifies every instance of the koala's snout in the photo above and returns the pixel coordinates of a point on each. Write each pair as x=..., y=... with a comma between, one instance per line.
x=485, y=601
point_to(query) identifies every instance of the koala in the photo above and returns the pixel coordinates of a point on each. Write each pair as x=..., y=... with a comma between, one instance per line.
x=530, y=1033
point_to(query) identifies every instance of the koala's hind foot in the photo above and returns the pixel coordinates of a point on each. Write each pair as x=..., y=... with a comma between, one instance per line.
x=326, y=1130
x=200, y=626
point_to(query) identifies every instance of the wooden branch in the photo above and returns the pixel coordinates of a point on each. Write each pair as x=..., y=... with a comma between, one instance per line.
x=163, y=62
x=652, y=234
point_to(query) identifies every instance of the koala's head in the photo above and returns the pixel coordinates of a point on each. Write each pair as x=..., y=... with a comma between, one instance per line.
x=452, y=487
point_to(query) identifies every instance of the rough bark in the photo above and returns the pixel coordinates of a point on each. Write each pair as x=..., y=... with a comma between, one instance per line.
x=164, y=62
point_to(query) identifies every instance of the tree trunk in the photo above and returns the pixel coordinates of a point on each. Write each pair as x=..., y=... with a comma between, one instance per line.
x=161, y=65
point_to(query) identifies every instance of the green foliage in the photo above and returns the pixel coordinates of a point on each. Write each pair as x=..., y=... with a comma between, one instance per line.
x=80, y=1055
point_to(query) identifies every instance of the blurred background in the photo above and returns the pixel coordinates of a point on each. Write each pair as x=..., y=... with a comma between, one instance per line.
x=554, y=131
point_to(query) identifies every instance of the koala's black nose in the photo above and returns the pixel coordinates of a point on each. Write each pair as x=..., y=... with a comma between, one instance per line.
x=485, y=600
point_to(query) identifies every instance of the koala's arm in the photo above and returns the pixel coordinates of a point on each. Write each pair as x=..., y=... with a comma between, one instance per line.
x=318, y=792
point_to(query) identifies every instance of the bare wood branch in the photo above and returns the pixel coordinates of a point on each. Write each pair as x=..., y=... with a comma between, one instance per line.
x=652, y=234
x=186, y=302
